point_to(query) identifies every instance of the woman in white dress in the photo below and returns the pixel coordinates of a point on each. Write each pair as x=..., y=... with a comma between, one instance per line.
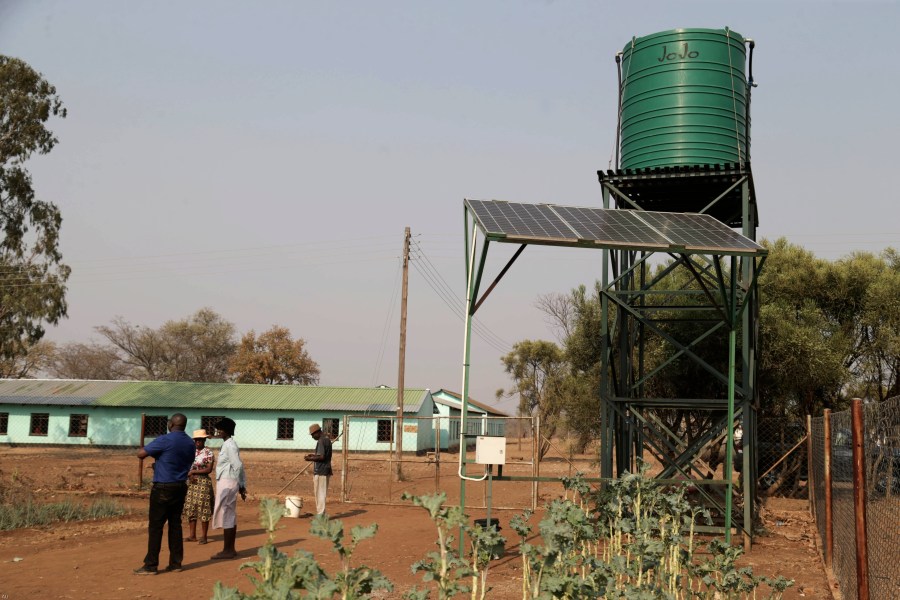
x=230, y=482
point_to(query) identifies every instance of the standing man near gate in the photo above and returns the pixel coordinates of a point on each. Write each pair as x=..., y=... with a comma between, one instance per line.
x=174, y=454
x=322, y=469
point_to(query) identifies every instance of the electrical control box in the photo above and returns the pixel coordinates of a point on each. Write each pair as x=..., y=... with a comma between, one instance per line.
x=490, y=450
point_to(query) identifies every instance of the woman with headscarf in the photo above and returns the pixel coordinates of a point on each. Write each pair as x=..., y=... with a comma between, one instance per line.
x=229, y=483
x=198, y=503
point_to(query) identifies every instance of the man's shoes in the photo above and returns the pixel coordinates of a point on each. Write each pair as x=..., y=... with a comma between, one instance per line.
x=173, y=569
x=145, y=571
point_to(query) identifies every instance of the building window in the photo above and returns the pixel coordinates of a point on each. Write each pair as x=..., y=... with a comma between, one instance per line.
x=78, y=425
x=4, y=423
x=331, y=427
x=385, y=430
x=40, y=423
x=285, y=429
x=209, y=424
x=156, y=426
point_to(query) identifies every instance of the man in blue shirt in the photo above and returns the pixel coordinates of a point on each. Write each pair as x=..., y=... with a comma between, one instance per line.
x=174, y=454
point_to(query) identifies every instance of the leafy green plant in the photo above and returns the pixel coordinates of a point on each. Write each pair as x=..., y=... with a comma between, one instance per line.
x=483, y=542
x=278, y=575
x=351, y=582
x=445, y=567
x=634, y=539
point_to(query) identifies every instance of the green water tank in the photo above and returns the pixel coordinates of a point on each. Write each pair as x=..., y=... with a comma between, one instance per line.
x=684, y=99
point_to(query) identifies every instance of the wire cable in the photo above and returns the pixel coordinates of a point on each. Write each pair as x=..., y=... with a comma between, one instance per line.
x=442, y=289
x=482, y=329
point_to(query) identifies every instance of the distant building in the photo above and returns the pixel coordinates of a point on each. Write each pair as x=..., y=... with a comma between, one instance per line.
x=276, y=417
x=482, y=418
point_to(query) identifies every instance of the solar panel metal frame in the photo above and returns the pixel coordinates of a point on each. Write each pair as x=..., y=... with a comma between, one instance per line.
x=574, y=226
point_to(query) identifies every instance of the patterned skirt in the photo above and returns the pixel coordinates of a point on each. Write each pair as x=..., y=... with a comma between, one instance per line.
x=199, y=501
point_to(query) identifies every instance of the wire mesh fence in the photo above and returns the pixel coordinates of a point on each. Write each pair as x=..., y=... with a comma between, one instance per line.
x=781, y=457
x=364, y=462
x=879, y=481
x=843, y=515
x=432, y=464
x=882, y=465
x=818, y=474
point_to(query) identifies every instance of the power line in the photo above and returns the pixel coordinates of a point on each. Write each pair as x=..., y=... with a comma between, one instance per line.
x=483, y=330
x=153, y=274
x=427, y=278
x=204, y=259
x=444, y=291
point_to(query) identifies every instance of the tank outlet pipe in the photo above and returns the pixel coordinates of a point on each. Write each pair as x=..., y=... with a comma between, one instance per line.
x=619, y=111
x=752, y=45
x=750, y=85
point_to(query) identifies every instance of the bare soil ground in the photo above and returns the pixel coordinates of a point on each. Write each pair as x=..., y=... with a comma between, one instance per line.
x=95, y=559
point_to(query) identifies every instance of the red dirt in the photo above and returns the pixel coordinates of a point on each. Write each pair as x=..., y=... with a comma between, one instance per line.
x=95, y=559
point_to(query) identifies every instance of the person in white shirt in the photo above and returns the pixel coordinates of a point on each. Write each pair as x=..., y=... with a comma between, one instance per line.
x=230, y=482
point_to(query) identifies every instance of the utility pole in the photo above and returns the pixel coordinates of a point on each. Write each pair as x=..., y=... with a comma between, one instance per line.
x=401, y=369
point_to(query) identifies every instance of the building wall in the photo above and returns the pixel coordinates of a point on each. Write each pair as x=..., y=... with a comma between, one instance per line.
x=105, y=426
x=255, y=429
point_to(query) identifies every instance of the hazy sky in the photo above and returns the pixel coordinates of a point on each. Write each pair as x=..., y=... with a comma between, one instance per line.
x=263, y=158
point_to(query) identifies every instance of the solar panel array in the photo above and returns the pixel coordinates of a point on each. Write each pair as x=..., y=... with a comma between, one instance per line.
x=573, y=225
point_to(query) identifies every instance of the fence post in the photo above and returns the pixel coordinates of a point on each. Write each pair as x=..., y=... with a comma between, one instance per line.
x=810, y=482
x=345, y=455
x=829, y=539
x=140, y=482
x=859, y=499
x=536, y=444
x=437, y=455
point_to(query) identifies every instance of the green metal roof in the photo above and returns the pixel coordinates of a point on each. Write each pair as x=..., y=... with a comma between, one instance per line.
x=164, y=394
x=62, y=392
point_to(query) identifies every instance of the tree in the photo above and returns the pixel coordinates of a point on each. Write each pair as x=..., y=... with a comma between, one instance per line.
x=88, y=361
x=139, y=348
x=36, y=357
x=198, y=348
x=883, y=312
x=860, y=298
x=32, y=275
x=539, y=371
x=803, y=348
x=577, y=319
x=274, y=358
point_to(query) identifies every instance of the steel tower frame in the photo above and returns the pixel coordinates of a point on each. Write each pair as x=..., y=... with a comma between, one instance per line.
x=725, y=275
x=726, y=295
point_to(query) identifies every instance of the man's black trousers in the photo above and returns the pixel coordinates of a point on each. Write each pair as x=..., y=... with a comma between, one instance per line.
x=166, y=504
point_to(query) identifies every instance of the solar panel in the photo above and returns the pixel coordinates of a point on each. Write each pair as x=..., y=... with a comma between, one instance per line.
x=512, y=219
x=697, y=231
x=614, y=228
